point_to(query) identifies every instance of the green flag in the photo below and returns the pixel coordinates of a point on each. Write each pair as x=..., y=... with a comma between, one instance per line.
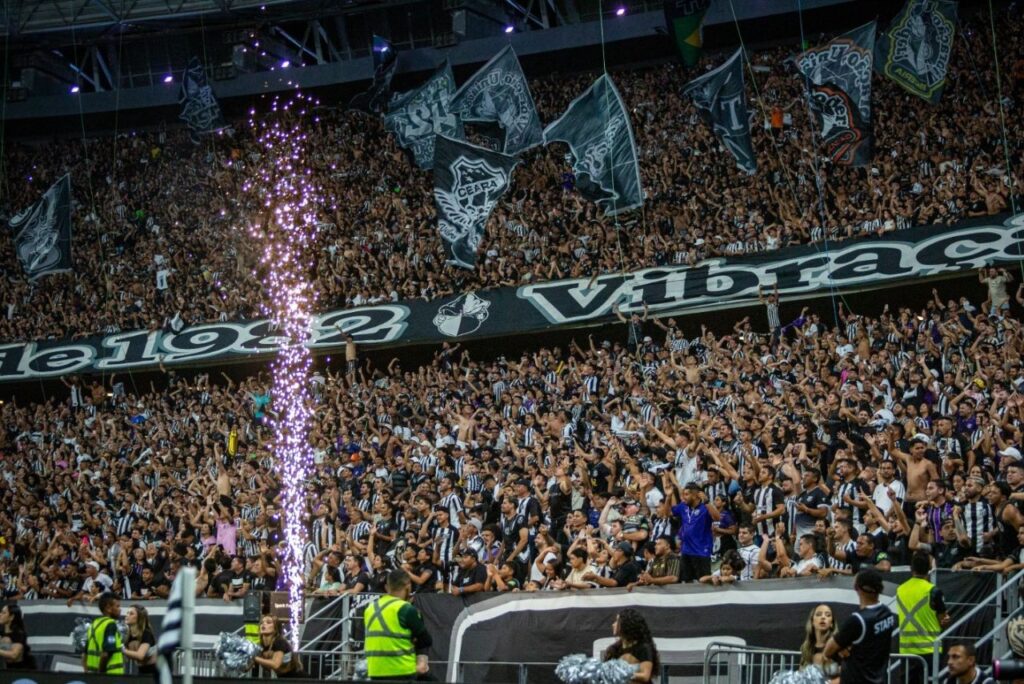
x=683, y=19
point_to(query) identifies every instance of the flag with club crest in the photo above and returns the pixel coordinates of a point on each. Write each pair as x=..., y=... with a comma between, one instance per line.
x=839, y=89
x=499, y=92
x=199, y=107
x=915, y=51
x=468, y=181
x=596, y=127
x=722, y=101
x=417, y=117
x=42, y=232
x=684, y=20
x=385, y=61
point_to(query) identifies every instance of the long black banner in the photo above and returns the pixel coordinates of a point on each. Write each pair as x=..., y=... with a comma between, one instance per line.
x=714, y=284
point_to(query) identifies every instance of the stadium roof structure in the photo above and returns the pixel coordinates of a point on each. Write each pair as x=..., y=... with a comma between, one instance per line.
x=22, y=17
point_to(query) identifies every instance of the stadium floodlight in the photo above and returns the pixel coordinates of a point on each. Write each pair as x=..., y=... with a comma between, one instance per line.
x=168, y=79
x=285, y=64
x=509, y=28
x=75, y=89
x=620, y=12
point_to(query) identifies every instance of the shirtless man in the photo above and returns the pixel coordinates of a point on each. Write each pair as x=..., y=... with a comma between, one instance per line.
x=920, y=471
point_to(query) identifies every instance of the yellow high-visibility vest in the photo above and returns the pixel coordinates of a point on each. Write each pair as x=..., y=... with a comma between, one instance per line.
x=388, y=646
x=919, y=625
x=94, y=649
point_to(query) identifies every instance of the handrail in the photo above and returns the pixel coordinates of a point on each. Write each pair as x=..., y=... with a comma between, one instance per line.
x=330, y=605
x=996, y=630
x=995, y=597
x=788, y=658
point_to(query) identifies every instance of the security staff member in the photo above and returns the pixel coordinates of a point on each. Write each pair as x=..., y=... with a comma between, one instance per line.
x=921, y=610
x=864, y=639
x=103, y=647
x=396, y=640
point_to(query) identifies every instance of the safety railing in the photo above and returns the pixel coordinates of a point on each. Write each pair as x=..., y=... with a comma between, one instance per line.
x=732, y=664
x=1004, y=604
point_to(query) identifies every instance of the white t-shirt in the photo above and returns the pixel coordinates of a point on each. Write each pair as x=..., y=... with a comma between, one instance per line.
x=881, y=497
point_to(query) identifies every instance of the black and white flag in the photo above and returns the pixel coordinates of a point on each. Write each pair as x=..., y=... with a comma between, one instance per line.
x=385, y=61
x=199, y=108
x=839, y=88
x=418, y=116
x=915, y=51
x=177, y=626
x=468, y=181
x=42, y=233
x=721, y=99
x=596, y=127
x=499, y=92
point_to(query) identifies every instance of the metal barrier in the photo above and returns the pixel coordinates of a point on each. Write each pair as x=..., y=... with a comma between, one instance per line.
x=732, y=664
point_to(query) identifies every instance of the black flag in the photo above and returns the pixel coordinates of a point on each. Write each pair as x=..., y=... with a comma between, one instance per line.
x=499, y=92
x=468, y=181
x=199, y=108
x=417, y=117
x=597, y=130
x=915, y=51
x=385, y=60
x=839, y=87
x=42, y=233
x=721, y=99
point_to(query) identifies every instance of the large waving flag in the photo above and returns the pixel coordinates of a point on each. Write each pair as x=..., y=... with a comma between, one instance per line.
x=684, y=20
x=385, y=60
x=42, y=232
x=915, y=51
x=177, y=626
x=468, y=181
x=199, y=107
x=499, y=92
x=418, y=116
x=596, y=127
x=839, y=83
x=721, y=99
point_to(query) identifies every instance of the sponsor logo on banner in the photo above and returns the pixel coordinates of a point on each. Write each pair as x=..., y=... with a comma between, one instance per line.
x=712, y=285
x=462, y=316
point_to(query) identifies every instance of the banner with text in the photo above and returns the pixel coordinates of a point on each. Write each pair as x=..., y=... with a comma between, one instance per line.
x=711, y=285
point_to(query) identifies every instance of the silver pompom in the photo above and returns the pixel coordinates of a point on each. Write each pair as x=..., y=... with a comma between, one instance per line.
x=580, y=669
x=235, y=653
x=122, y=629
x=808, y=675
x=362, y=669
x=80, y=634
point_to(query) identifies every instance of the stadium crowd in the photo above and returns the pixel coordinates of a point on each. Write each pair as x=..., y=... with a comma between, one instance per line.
x=810, y=448
x=144, y=258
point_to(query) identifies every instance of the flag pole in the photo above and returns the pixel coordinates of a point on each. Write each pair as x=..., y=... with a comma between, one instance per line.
x=188, y=607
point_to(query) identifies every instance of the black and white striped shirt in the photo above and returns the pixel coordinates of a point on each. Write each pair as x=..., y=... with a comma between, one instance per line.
x=978, y=520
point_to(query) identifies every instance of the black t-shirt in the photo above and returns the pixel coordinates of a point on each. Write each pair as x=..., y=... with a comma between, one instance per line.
x=290, y=666
x=626, y=573
x=361, y=578
x=147, y=638
x=478, y=575
x=856, y=562
x=27, y=662
x=868, y=635
x=431, y=584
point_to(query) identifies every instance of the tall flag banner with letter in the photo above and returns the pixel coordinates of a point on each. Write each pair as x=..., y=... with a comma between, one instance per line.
x=199, y=108
x=499, y=92
x=915, y=51
x=721, y=99
x=596, y=127
x=42, y=232
x=418, y=116
x=839, y=88
x=468, y=181
x=385, y=61
x=683, y=20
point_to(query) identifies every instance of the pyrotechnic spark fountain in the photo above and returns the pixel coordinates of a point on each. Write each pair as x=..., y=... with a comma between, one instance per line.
x=285, y=186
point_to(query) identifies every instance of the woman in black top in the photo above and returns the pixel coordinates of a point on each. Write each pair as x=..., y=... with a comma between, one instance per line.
x=820, y=626
x=140, y=646
x=635, y=645
x=14, y=649
x=275, y=651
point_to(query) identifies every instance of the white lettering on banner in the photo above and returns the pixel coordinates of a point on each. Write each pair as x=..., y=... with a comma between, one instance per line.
x=714, y=283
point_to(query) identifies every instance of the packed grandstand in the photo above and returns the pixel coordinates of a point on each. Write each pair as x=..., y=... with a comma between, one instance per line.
x=820, y=444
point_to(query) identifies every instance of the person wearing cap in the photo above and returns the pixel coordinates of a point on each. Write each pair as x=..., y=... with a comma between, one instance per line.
x=471, y=575
x=625, y=570
x=95, y=584
x=695, y=535
x=864, y=640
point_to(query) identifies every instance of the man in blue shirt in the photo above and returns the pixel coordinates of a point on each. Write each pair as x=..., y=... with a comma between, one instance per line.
x=696, y=540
